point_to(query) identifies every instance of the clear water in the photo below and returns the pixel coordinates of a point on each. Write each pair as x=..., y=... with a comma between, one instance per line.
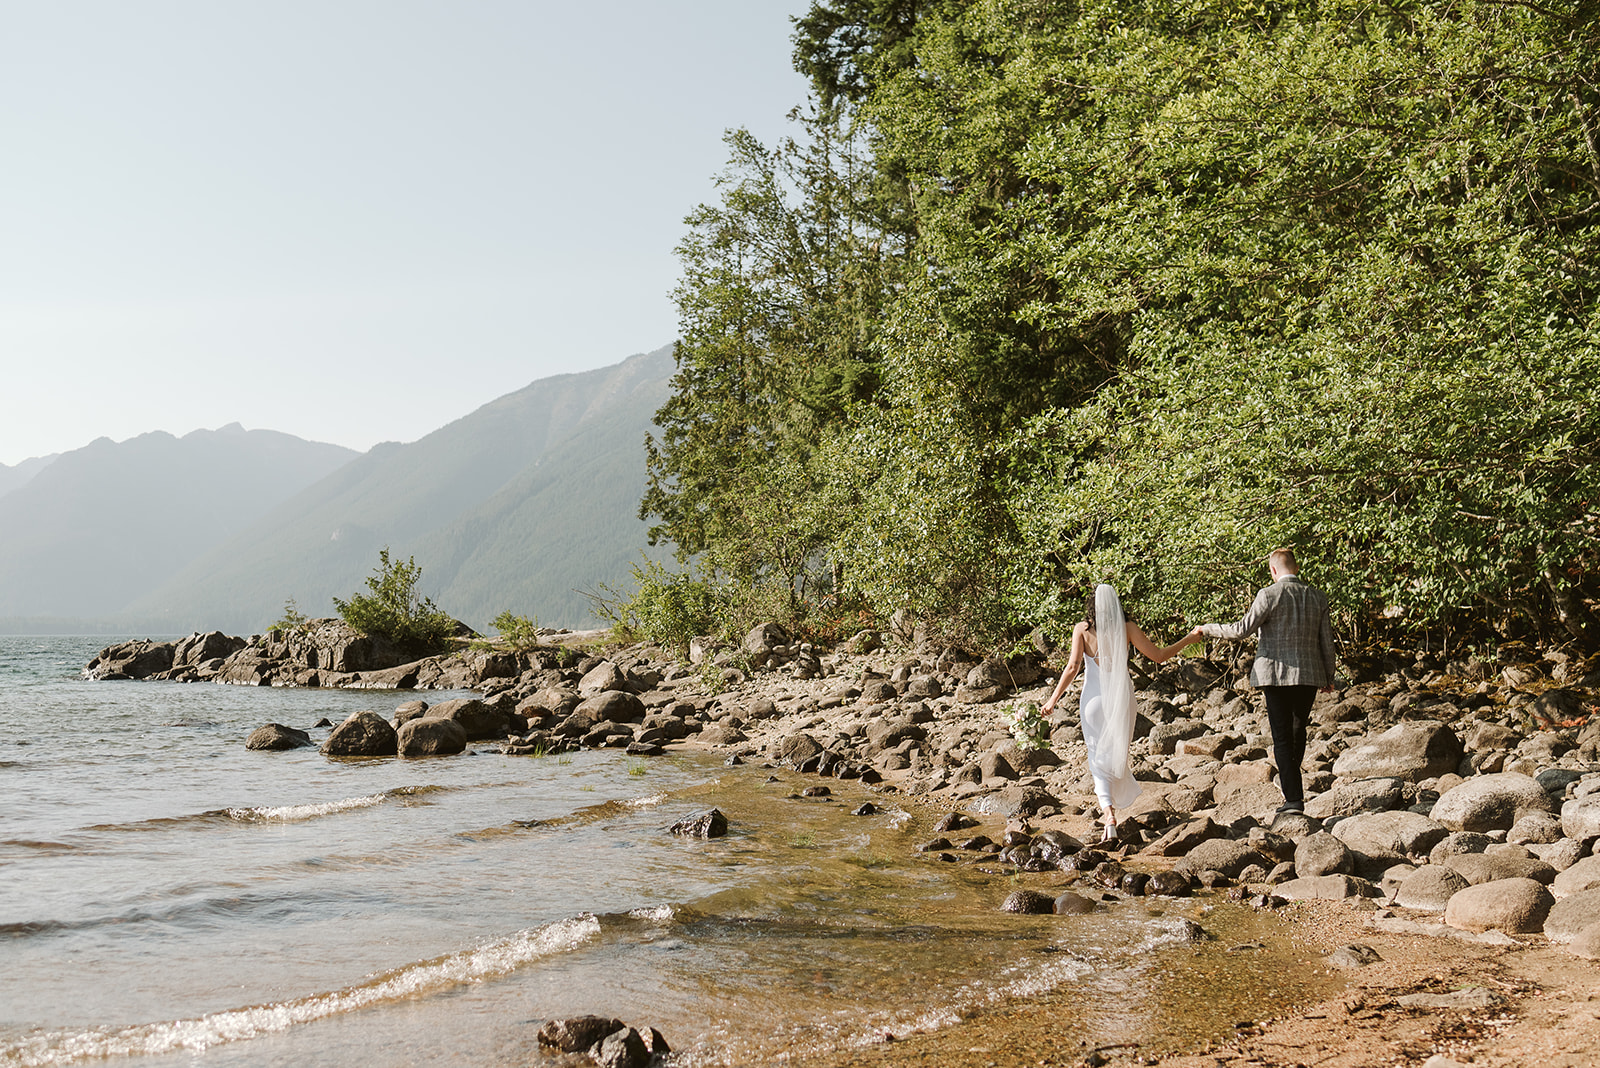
x=169, y=896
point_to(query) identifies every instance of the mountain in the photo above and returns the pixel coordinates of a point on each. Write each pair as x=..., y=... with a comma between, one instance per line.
x=514, y=506
x=105, y=524
x=18, y=475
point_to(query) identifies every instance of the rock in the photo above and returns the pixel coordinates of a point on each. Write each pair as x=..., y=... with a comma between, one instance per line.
x=1031, y=902
x=1493, y=736
x=1390, y=836
x=1184, y=837
x=994, y=766
x=275, y=736
x=1580, y=817
x=1295, y=825
x=1458, y=844
x=1168, y=884
x=1070, y=904
x=1536, y=828
x=1490, y=802
x=430, y=736
x=1220, y=854
x=1412, y=750
x=1164, y=737
x=1016, y=801
x=1582, y=876
x=1559, y=855
x=601, y=678
x=364, y=734
x=1473, y=999
x=476, y=719
x=1323, y=888
x=1322, y=854
x=979, y=695
x=711, y=824
x=407, y=711
x=1570, y=915
x=719, y=735
x=1478, y=868
x=1353, y=956
x=793, y=748
x=1429, y=888
x=577, y=1033
x=615, y=705
x=1354, y=798
x=138, y=659
x=623, y=1048
x=1586, y=943
x=1515, y=906
x=1258, y=802
x=197, y=648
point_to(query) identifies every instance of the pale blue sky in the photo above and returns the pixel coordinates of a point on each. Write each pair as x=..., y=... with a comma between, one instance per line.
x=351, y=220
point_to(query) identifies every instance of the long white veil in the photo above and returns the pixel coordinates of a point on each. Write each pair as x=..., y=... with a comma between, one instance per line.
x=1111, y=750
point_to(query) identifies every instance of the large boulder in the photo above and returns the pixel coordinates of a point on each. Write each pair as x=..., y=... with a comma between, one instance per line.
x=1430, y=888
x=477, y=719
x=1322, y=854
x=197, y=648
x=602, y=677
x=138, y=659
x=1226, y=855
x=1354, y=798
x=615, y=705
x=1258, y=801
x=709, y=824
x=1490, y=802
x=887, y=733
x=793, y=748
x=1571, y=915
x=577, y=1033
x=430, y=736
x=1413, y=750
x=275, y=736
x=1323, y=888
x=1478, y=868
x=1580, y=817
x=1582, y=876
x=364, y=734
x=1390, y=836
x=1515, y=906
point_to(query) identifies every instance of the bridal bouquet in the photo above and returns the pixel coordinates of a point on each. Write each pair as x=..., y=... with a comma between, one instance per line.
x=1028, y=727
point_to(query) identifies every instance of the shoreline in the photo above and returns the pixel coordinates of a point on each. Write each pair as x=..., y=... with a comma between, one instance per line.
x=926, y=728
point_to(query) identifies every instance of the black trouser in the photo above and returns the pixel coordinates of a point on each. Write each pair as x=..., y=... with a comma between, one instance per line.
x=1288, y=710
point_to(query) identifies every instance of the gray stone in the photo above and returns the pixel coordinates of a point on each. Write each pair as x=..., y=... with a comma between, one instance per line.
x=1536, y=828
x=1323, y=888
x=623, y=1048
x=1353, y=956
x=792, y=748
x=1515, y=906
x=1413, y=750
x=1179, y=840
x=275, y=736
x=478, y=719
x=1478, y=868
x=1390, y=835
x=615, y=705
x=1584, y=875
x=1570, y=915
x=1458, y=844
x=1490, y=802
x=1258, y=802
x=1586, y=943
x=709, y=824
x=1070, y=904
x=1354, y=798
x=1580, y=817
x=364, y=734
x=1429, y=888
x=1473, y=999
x=722, y=735
x=1164, y=737
x=1322, y=854
x=602, y=677
x=1220, y=854
x=430, y=736
x=1559, y=855
x=1030, y=902
x=578, y=1033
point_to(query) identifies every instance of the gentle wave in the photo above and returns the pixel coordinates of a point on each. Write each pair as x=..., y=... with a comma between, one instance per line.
x=496, y=958
x=299, y=813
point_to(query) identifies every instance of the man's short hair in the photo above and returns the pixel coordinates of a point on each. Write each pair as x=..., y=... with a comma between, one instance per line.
x=1283, y=560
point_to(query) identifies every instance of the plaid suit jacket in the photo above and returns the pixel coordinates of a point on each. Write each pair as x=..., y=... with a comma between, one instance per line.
x=1296, y=643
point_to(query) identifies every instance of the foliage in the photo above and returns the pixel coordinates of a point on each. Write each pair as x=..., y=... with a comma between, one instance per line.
x=293, y=621
x=668, y=608
x=1168, y=285
x=520, y=632
x=393, y=609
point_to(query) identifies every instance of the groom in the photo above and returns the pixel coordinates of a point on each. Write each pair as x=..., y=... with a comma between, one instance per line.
x=1294, y=657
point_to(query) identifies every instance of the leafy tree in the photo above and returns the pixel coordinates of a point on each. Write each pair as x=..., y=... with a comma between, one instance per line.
x=394, y=610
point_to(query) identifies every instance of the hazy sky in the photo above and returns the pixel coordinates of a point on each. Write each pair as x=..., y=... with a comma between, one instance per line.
x=351, y=220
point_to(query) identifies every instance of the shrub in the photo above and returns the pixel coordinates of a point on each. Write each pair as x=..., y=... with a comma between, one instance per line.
x=293, y=620
x=667, y=608
x=519, y=632
x=394, y=610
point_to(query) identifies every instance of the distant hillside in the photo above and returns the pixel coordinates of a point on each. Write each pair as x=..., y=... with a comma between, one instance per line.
x=510, y=507
x=18, y=475
x=105, y=524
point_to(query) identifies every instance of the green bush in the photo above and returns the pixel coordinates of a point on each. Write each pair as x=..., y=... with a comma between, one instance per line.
x=519, y=632
x=394, y=610
x=293, y=620
x=667, y=608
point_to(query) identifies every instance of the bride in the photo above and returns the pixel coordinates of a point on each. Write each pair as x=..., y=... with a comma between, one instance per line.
x=1106, y=707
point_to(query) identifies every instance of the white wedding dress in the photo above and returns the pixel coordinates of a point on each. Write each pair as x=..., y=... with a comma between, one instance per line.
x=1107, y=733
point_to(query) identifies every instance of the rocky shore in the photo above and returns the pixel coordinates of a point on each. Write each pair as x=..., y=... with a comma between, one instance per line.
x=1451, y=801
